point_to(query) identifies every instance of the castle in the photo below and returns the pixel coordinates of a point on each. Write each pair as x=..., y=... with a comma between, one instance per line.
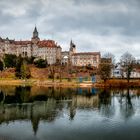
x=49, y=50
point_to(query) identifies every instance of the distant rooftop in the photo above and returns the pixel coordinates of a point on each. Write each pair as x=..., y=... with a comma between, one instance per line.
x=87, y=53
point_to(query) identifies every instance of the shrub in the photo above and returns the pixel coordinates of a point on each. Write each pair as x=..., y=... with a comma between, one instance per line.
x=41, y=63
x=10, y=60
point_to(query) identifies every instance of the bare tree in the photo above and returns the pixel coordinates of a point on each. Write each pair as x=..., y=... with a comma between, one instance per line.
x=105, y=69
x=61, y=68
x=52, y=72
x=111, y=56
x=127, y=62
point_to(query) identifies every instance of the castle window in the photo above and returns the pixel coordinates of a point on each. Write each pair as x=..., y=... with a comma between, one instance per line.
x=25, y=53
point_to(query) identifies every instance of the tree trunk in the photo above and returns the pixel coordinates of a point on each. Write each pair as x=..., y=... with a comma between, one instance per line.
x=105, y=80
x=60, y=75
x=53, y=78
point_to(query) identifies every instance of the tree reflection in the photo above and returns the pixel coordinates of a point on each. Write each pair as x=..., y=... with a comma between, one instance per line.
x=105, y=97
x=126, y=106
x=72, y=111
x=105, y=103
x=48, y=103
x=1, y=96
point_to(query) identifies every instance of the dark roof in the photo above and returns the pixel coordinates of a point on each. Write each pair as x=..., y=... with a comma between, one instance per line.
x=1, y=39
x=35, y=29
x=86, y=53
x=106, y=60
x=22, y=42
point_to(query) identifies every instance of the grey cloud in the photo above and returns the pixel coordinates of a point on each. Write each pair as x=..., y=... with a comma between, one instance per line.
x=98, y=22
x=100, y=25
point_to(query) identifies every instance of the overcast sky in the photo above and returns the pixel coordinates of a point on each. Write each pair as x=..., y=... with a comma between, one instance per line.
x=94, y=25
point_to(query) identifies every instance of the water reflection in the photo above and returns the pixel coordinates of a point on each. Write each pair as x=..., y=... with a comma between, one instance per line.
x=126, y=106
x=106, y=104
x=51, y=105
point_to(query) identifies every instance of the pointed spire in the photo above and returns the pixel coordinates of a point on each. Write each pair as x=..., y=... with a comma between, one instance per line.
x=35, y=29
x=35, y=33
x=1, y=38
x=71, y=42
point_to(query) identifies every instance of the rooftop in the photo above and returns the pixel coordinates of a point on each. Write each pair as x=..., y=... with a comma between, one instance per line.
x=22, y=42
x=47, y=43
x=87, y=53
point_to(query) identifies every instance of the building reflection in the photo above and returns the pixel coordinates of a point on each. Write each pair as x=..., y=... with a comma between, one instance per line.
x=34, y=112
x=81, y=101
x=37, y=104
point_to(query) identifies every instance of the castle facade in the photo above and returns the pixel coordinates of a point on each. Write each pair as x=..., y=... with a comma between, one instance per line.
x=49, y=50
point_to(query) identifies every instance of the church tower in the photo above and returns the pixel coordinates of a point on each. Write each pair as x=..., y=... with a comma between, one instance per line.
x=35, y=37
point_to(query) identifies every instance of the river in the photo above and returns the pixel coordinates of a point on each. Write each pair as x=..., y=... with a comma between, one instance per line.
x=48, y=113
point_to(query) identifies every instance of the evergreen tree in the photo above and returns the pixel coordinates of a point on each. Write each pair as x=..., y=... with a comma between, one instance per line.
x=1, y=66
x=19, y=62
x=25, y=71
x=22, y=69
x=41, y=63
x=10, y=60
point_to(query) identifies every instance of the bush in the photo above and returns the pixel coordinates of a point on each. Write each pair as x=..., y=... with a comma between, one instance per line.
x=10, y=60
x=41, y=63
x=29, y=60
x=19, y=62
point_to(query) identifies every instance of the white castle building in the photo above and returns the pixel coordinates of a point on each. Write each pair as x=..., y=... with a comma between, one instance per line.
x=45, y=49
x=49, y=50
x=80, y=58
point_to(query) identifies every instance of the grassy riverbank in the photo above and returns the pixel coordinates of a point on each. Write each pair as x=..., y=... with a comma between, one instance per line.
x=38, y=82
x=120, y=83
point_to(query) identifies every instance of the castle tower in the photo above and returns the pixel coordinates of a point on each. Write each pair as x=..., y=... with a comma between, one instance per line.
x=35, y=37
x=72, y=50
x=72, y=47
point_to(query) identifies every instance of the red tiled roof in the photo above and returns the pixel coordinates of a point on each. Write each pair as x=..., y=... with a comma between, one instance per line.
x=43, y=43
x=47, y=43
x=87, y=53
x=22, y=42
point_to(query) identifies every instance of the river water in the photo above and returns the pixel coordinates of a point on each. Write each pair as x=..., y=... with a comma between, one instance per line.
x=46, y=113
